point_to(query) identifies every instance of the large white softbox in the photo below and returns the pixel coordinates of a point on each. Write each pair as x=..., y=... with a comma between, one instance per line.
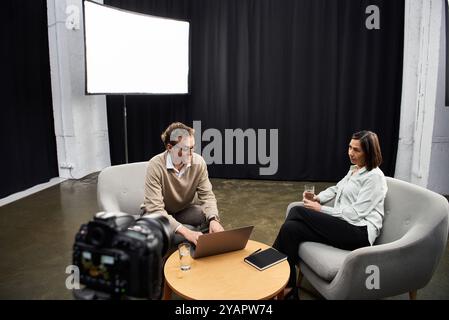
x=132, y=53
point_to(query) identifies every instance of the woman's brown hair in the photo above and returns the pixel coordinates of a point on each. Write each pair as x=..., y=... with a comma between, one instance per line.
x=371, y=148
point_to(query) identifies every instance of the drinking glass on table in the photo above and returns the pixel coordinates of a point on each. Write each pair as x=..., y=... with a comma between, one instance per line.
x=185, y=258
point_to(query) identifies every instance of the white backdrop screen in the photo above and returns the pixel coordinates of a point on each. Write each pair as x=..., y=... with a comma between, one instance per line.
x=134, y=53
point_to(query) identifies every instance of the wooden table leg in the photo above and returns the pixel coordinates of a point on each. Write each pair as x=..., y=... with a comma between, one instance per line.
x=167, y=291
x=280, y=295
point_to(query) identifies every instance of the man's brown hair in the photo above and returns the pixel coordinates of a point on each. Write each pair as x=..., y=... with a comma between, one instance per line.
x=371, y=148
x=174, y=133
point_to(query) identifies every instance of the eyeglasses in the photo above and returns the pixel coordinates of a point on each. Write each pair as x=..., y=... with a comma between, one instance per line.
x=185, y=148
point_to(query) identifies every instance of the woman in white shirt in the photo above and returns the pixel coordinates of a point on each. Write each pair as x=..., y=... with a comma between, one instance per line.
x=355, y=219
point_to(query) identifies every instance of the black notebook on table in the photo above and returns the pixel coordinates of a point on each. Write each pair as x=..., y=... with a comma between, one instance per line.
x=265, y=258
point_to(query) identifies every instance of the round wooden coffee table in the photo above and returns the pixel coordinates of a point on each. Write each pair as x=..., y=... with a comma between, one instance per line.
x=225, y=277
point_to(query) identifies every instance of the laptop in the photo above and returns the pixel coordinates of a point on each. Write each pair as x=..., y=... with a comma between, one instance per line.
x=210, y=244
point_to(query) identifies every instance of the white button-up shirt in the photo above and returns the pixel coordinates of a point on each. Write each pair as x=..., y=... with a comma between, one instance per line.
x=359, y=199
x=169, y=164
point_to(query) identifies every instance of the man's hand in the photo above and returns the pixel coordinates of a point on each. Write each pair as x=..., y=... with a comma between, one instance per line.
x=313, y=205
x=215, y=226
x=190, y=235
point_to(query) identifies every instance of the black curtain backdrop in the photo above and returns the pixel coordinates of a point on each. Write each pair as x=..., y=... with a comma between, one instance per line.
x=27, y=133
x=309, y=68
x=147, y=117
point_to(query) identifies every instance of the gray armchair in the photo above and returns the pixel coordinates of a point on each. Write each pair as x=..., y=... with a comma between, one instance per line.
x=121, y=189
x=406, y=253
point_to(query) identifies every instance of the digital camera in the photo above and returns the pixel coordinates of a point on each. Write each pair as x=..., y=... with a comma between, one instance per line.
x=120, y=255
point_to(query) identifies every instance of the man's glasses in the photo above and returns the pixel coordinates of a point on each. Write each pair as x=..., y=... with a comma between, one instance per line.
x=185, y=148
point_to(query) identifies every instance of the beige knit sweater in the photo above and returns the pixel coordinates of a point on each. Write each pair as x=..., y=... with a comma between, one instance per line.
x=167, y=193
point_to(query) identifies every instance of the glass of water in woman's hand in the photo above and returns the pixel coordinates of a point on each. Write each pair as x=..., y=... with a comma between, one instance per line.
x=309, y=192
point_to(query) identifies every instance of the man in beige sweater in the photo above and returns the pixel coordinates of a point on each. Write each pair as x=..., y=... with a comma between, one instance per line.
x=177, y=185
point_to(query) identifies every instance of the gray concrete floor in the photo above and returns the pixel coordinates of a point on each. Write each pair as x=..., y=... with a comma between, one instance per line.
x=37, y=232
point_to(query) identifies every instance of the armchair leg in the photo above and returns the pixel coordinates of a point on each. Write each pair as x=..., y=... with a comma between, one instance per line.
x=300, y=276
x=299, y=279
x=413, y=294
x=298, y=285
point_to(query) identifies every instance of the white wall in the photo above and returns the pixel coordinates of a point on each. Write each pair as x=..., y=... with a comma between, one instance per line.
x=439, y=160
x=80, y=121
x=423, y=138
x=412, y=21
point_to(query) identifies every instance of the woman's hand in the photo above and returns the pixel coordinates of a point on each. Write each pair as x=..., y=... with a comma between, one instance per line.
x=312, y=204
x=310, y=196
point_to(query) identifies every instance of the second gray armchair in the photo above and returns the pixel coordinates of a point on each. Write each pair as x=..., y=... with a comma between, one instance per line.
x=404, y=256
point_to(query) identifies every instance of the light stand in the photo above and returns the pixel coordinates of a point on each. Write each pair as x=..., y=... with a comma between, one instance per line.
x=125, y=128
